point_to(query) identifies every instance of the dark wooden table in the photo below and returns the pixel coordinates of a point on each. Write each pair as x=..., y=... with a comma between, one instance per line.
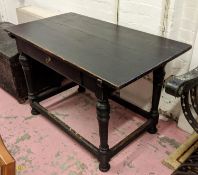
x=98, y=56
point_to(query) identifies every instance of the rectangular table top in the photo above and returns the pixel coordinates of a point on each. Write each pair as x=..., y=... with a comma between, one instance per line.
x=115, y=54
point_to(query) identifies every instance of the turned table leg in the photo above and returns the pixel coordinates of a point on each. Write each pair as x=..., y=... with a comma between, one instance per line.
x=103, y=111
x=158, y=78
x=27, y=68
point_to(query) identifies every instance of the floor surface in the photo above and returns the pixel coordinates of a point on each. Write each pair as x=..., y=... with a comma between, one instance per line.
x=42, y=149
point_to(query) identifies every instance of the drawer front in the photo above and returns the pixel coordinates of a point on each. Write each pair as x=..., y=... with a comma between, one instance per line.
x=52, y=62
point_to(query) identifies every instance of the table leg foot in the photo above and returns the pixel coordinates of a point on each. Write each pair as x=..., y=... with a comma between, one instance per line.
x=81, y=89
x=104, y=167
x=34, y=112
x=152, y=130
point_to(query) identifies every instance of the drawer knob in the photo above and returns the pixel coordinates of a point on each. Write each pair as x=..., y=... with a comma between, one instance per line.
x=47, y=60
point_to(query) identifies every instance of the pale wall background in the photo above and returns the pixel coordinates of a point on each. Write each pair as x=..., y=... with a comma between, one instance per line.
x=176, y=19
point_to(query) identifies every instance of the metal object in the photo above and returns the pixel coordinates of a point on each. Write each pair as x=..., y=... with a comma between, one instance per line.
x=190, y=166
x=48, y=60
x=186, y=87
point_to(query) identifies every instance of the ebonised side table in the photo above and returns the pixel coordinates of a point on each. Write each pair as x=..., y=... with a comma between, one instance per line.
x=98, y=56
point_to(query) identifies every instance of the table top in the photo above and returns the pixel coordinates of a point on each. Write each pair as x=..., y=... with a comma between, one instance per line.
x=115, y=54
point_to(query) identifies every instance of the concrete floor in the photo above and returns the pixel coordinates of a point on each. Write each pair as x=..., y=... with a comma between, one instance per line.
x=42, y=149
